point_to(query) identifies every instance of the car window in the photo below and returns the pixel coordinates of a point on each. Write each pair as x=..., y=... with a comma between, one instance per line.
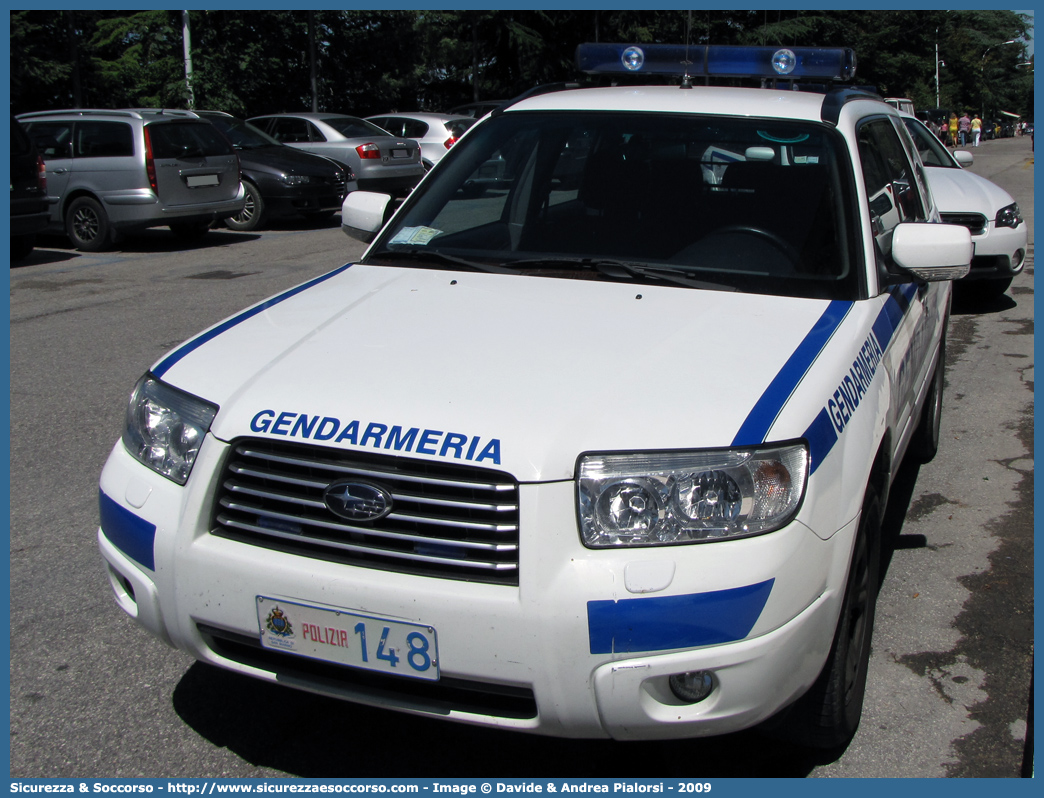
x=890, y=183
x=352, y=128
x=414, y=129
x=192, y=139
x=931, y=150
x=242, y=135
x=288, y=129
x=457, y=126
x=52, y=139
x=760, y=206
x=21, y=144
x=388, y=124
x=94, y=139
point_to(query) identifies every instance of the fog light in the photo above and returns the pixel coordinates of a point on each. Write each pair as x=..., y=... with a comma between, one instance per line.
x=692, y=687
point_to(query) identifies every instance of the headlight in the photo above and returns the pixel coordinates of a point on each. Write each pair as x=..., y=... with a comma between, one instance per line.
x=1009, y=216
x=165, y=427
x=651, y=499
x=295, y=180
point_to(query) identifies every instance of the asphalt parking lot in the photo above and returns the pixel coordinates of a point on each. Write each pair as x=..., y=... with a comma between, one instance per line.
x=92, y=695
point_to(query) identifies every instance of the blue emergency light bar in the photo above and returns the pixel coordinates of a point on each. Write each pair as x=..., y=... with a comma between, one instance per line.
x=791, y=63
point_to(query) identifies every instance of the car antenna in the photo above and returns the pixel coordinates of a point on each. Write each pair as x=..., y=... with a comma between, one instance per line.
x=687, y=78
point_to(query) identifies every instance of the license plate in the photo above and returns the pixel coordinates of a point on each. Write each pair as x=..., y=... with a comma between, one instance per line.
x=348, y=638
x=400, y=153
x=194, y=181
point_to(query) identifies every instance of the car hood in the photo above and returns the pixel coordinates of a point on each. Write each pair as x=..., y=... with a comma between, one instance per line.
x=961, y=191
x=517, y=373
x=282, y=159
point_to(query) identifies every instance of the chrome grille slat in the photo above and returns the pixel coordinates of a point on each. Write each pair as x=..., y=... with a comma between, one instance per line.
x=376, y=474
x=307, y=521
x=320, y=484
x=491, y=566
x=446, y=520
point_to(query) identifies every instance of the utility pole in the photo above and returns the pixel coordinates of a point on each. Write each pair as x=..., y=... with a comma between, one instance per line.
x=187, y=40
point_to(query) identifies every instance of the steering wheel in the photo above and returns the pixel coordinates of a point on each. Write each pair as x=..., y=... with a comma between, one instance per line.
x=784, y=246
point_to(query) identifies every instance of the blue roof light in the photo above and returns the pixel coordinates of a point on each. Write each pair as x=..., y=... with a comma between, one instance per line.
x=792, y=63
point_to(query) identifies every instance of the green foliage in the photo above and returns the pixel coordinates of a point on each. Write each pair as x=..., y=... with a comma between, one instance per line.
x=255, y=62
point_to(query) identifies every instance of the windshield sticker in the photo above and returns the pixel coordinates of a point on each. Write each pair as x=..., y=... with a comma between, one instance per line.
x=374, y=435
x=415, y=235
x=778, y=140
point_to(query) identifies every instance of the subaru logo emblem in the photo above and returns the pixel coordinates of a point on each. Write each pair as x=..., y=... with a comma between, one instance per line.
x=357, y=501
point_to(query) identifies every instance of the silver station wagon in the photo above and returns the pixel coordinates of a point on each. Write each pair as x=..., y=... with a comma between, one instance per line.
x=111, y=172
x=380, y=161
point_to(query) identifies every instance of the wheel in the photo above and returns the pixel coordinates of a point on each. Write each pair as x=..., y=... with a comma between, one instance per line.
x=21, y=246
x=253, y=212
x=87, y=224
x=925, y=441
x=828, y=715
x=190, y=231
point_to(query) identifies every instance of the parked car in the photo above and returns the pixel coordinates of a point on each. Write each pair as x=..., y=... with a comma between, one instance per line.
x=597, y=457
x=477, y=109
x=436, y=133
x=279, y=180
x=991, y=214
x=379, y=161
x=30, y=212
x=112, y=172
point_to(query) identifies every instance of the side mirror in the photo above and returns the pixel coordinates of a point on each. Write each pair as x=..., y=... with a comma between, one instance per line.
x=363, y=214
x=963, y=157
x=932, y=252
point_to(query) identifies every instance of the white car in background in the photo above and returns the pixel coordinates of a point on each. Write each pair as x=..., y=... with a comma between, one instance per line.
x=436, y=133
x=998, y=230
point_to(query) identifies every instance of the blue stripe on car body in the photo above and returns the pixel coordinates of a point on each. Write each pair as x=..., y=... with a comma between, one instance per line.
x=754, y=429
x=170, y=360
x=669, y=622
x=132, y=535
x=821, y=433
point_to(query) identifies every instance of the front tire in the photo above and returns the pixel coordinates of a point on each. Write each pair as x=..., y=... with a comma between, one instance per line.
x=87, y=225
x=253, y=213
x=827, y=716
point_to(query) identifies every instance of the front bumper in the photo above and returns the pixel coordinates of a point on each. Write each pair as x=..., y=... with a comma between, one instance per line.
x=578, y=649
x=1000, y=253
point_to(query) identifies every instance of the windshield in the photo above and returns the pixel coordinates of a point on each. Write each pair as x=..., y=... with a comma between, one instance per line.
x=353, y=128
x=751, y=205
x=932, y=151
x=243, y=135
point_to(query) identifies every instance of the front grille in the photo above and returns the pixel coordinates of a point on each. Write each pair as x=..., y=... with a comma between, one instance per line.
x=446, y=521
x=439, y=697
x=975, y=222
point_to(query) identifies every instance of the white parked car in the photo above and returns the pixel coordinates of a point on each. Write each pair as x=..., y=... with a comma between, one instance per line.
x=600, y=450
x=998, y=230
x=436, y=133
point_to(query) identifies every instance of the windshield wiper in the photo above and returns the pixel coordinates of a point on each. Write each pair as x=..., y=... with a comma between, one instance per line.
x=619, y=268
x=423, y=254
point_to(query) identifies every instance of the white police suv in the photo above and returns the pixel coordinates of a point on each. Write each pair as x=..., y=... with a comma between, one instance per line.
x=595, y=439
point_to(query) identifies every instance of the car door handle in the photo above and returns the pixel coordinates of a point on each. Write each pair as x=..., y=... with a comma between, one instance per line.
x=58, y=171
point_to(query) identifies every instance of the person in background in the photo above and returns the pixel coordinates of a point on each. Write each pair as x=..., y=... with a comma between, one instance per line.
x=976, y=129
x=964, y=128
x=953, y=130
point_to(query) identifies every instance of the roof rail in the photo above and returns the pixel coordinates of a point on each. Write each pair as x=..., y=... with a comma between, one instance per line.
x=81, y=112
